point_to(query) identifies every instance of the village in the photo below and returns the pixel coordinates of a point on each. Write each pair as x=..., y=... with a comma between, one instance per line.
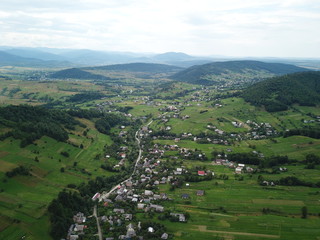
x=122, y=209
x=122, y=212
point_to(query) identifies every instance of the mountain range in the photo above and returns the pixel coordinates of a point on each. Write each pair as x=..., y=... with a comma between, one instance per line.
x=59, y=58
x=31, y=57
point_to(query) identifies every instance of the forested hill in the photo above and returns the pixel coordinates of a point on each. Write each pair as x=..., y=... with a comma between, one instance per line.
x=277, y=93
x=76, y=73
x=210, y=73
x=138, y=67
x=30, y=123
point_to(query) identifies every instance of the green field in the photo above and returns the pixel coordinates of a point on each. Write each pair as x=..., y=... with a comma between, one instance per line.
x=24, y=199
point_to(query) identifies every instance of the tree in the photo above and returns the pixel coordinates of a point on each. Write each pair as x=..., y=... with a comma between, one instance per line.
x=304, y=212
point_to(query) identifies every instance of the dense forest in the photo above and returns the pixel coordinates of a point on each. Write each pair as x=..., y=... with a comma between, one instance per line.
x=30, y=123
x=85, y=97
x=277, y=93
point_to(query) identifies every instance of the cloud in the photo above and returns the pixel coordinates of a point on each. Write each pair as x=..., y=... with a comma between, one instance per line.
x=231, y=27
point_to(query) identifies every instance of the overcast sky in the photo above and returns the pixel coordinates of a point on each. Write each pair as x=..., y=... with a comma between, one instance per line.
x=279, y=28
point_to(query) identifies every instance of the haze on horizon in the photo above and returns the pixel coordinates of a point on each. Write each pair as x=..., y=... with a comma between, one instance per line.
x=287, y=28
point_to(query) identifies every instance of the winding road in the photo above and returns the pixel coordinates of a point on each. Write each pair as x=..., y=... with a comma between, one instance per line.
x=106, y=195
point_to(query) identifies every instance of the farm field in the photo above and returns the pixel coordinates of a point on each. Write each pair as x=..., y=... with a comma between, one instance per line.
x=24, y=199
x=233, y=209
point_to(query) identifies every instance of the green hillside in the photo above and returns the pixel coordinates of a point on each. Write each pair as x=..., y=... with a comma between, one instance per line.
x=278, y=93
x=76, y=73
x=212, y=73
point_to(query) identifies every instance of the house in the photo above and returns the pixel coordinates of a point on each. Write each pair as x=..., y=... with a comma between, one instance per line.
x=140, y=206
x=156, y=197
x=148, y=193
x=163, y=196
x=201, y=173
x=79, y=228
x=118, y=198
x=79, y=218
x=130, y=231
x=128, y=183
x=127, y=217
x=181, y=216
x=200, y=192
x=96, y=196
x=238, y=170
x=118, y=210
x=157, y=208
x=164, y=236
x=185, y=196
x=73, y=237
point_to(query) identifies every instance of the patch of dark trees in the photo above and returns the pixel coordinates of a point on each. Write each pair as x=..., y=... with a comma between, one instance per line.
x=307, y=132
x=290, y=181
x=109, y=121
x=30, y=123
x=21, y=170
x=255, y=159
x=196, y=178
x=311, y=161
x=85, y=97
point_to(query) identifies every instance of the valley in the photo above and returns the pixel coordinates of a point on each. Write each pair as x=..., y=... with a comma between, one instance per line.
x=219, y=158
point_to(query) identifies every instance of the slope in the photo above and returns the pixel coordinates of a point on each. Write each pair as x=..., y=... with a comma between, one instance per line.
x=278, y=93
x=76, y=73
x=211, y=73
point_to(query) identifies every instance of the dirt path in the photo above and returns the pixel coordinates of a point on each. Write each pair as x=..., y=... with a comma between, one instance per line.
x=202, y=228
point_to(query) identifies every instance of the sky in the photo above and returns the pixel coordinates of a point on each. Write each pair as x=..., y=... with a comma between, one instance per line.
x=258, y=28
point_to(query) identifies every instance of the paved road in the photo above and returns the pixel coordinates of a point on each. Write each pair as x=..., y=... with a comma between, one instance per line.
x=106, y=195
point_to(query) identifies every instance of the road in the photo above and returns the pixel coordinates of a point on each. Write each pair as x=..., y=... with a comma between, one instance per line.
x=106, y=195
x=98, y=223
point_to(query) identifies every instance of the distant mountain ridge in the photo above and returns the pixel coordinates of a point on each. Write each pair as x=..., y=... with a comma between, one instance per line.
x=138, y=67
x=278, y=93
x=62, y=57
x=86, y=57
x=7, y=59
x=212, y=72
